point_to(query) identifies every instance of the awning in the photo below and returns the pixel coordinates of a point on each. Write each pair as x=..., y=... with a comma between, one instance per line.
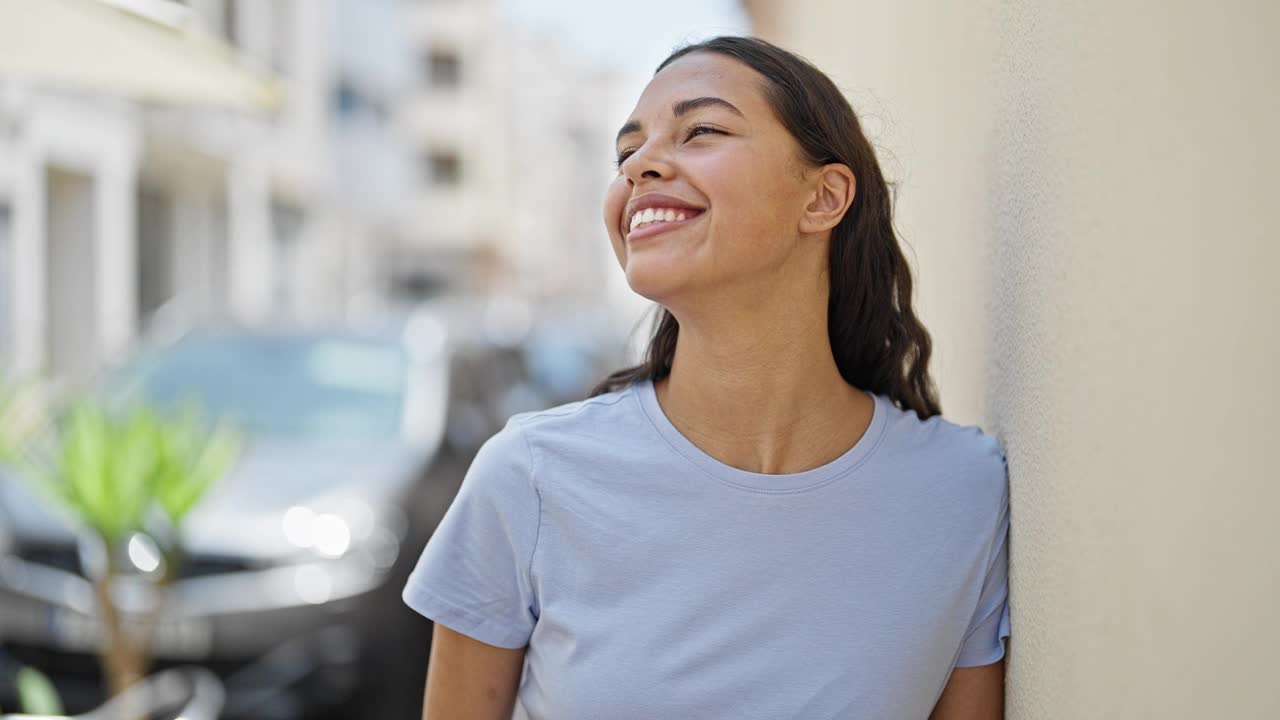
x=105, y=47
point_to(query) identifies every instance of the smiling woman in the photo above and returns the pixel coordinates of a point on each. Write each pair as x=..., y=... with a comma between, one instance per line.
x=768, y=517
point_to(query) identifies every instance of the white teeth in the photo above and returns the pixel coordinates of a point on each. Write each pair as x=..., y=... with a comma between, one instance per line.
x=649, y=215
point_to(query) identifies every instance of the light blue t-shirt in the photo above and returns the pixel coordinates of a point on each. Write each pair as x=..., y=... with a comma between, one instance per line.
x=650, y=580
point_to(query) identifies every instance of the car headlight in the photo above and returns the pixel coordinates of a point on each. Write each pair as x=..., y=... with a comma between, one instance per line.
x=325, y=533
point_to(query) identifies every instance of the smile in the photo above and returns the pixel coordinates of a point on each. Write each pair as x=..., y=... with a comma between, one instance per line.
x=653, y=215
x=652, y=221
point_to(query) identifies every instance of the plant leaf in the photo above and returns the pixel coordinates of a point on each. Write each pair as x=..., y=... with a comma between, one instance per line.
x=8, y=443
x=132, y=465
x=83, y=467
x=193, y=459
x=36, y=694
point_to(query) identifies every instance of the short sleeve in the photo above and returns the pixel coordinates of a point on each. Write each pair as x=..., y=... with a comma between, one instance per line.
x=474, y=574
x=988, y=633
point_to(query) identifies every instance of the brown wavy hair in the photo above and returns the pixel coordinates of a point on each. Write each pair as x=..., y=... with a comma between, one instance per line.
x=878, y=342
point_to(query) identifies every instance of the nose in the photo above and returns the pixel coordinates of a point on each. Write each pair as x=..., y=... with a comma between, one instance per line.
x=647, y=162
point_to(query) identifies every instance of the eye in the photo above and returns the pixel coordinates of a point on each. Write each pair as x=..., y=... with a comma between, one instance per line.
x=697, y=130
x=622, y=157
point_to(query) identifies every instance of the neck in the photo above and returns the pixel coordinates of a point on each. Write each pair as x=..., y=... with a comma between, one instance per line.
x=760, y=391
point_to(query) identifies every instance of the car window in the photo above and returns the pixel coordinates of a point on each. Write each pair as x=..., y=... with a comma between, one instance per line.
x=282, y=387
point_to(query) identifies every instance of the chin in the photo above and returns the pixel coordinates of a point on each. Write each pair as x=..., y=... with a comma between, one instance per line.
x=655, y=281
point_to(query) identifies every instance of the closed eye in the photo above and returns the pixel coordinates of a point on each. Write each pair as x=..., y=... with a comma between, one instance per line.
x=694, y=131
x=622, y=157
x=697, y=130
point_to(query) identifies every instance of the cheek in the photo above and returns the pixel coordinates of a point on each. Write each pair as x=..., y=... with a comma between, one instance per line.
x=761, y=206
x=615, y=199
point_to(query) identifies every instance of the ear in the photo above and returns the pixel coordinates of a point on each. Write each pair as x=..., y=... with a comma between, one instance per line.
x=833, y=189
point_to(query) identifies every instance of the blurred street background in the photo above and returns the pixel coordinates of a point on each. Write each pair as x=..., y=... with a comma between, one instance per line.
x=367, y=232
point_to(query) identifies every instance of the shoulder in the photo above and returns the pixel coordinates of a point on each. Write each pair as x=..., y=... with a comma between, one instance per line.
x=591, y=420
x=572, y=414
x=507, y=476
x=951, y=452
x=527, y=437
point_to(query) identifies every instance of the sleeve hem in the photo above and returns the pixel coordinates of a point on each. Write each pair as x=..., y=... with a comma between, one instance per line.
x=451, y=615
x=985, y=656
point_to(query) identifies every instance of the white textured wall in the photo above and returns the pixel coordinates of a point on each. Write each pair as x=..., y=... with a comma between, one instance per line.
x=1091, y=191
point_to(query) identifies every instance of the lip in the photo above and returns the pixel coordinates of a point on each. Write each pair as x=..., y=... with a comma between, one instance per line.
x=656, y=200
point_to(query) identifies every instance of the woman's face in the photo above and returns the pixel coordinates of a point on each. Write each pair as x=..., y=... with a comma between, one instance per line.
x=711, y=187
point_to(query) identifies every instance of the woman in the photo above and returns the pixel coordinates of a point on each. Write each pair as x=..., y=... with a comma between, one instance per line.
x=768, y=518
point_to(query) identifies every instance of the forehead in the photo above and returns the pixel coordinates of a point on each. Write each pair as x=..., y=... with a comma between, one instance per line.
x=702, y=74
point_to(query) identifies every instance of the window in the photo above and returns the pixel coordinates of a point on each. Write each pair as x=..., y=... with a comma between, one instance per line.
x=346, y=98
x=444, y=167
x=350, y=102
x=229, y=21
x=156, y=276
x=417, y=285
x=444, y=69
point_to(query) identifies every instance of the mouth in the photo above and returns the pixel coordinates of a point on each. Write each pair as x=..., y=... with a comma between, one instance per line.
x=654, y=220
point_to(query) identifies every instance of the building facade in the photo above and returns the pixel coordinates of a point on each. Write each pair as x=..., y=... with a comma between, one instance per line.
x=68, y=166
x=513, y=152
x=116, y=217
x=422, y=148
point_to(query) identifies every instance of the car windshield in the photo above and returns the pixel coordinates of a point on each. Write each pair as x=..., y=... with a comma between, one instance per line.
x=282, y=387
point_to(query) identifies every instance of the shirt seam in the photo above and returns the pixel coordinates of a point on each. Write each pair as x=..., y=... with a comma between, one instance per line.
x=581, y=406
x=746, y=488
x=533, y=483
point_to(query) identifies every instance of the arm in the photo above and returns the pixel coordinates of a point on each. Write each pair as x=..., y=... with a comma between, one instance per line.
x=973, y=693
x=470, y=679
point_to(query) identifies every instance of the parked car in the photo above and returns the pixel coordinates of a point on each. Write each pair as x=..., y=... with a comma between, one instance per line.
x=291, y=551
x=509, y=357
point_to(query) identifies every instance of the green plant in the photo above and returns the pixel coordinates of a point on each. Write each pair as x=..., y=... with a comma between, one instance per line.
x=36, y=694
x=19, y=417
x=123, y=473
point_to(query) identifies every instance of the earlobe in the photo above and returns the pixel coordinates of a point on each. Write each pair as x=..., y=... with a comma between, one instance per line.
x=834, y=190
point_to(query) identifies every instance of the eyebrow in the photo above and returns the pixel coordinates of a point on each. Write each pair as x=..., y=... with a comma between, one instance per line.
x=685, y=107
